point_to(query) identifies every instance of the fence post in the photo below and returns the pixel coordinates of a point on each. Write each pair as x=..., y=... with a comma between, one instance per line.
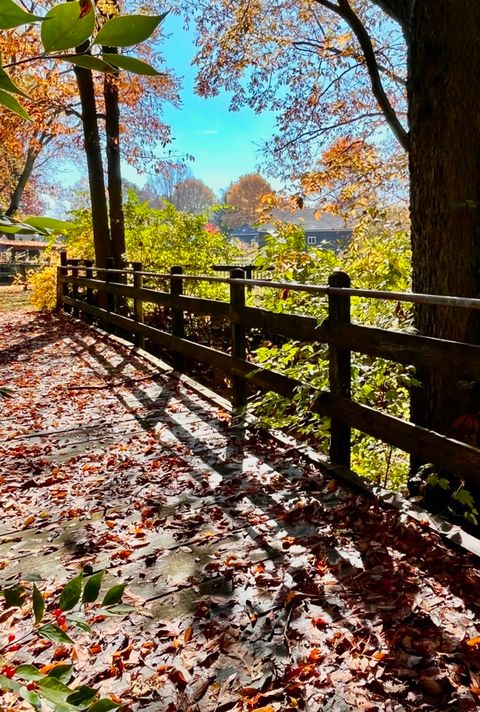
x=62, y=289
x=76, y=310
x=89, y=275
x=339, y=369
x=110, y=300
x=138, y=339
x=178, y=317
x=239, y=345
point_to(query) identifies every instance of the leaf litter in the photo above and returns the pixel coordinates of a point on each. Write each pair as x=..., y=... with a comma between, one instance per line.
x=258, y=582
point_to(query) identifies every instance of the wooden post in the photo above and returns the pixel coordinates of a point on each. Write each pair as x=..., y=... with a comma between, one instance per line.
x=339, y=369
x=62, y=289
x=178, y=317
x=138, y=339
x=76, y=310
x=89, y=275
x=110, y=300
x=239, y=345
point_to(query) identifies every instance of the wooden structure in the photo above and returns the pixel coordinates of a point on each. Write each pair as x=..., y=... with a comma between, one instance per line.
x=78, y=282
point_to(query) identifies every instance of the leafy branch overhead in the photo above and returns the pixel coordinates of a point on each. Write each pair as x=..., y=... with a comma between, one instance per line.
x=73, y=25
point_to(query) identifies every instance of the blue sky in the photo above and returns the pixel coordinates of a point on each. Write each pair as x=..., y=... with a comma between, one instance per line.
x=223, y=143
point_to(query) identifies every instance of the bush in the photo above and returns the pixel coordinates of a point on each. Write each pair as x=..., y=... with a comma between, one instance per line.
x=44, y=289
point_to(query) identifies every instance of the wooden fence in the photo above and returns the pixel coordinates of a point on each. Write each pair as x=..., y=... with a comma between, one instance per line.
x=91, y=292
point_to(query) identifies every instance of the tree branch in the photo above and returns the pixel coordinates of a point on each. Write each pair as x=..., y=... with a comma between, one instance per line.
x=344, y=10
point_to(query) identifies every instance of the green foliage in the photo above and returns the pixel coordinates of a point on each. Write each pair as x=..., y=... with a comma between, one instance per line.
x=67, y=26
x=54, y=690
x=378, y=257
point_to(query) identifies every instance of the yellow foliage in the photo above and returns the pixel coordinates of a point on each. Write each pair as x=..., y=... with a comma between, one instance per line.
x=44, y=286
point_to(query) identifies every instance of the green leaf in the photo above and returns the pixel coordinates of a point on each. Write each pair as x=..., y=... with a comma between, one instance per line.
x=14, y=596
x=11, y=15
x=54, y=633
x=82, y=697
x=28, y=672
x=6, y=84
x=67, y=26
x=131, y=64
x=12, y=104
x=79, y=623
x=92, y=588
x=38, y=604
x=8, y=684
x=89, y=62
x=103, y=705
x=62, y=672
x=119, y=610
x=31, y=697
x=53, y=690
x=128, y=30
x=113, y=595
x=45, y=223
x=71, y=593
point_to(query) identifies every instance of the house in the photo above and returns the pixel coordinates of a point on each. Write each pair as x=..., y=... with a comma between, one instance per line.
x=329, y=231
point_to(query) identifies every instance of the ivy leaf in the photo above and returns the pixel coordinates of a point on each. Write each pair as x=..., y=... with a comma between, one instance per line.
x=12, y=104
x=118, y=610
x=71, y=593
x=89, y=62
x=11, y=15
x=38, y=604
x=128, y=30
x=113, y=595
x=68, y=25
x=82, y=697
x=54, y=633
x=131, y=64
x=92, y=588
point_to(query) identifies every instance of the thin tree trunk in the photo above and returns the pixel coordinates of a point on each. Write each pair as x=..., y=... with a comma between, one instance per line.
x=112, y=128
x=101, y=231
x=444, y=91
x=32, y=155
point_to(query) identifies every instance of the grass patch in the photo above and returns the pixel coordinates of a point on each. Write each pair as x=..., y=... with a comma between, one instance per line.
x=13, y=298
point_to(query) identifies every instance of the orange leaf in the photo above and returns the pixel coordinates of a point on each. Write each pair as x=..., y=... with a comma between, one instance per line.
x=315, y=655
x=188, y=633
x=474, y=642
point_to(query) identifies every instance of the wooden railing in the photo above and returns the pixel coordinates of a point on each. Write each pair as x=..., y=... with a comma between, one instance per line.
x=91, y=292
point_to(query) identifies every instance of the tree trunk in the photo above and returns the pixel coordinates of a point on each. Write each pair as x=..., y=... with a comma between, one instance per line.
x=101, y=231
x=112, y=128
x=16, y=197
x=444, y=91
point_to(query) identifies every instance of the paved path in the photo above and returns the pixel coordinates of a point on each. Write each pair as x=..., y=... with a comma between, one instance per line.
x=259, y=582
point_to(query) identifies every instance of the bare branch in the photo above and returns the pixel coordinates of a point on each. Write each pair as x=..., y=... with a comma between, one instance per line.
x=344, y=10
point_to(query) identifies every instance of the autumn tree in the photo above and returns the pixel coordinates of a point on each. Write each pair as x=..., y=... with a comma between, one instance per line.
x=162, y=182
x=60, y=110
x=245, y=196
x=192, y=196
x=336, y=68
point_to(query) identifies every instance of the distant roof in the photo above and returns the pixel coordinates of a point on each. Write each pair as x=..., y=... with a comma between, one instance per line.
x=306, y=219
x=23, y=244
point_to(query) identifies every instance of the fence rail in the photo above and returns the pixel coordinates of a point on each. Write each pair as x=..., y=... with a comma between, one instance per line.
x=82, y=289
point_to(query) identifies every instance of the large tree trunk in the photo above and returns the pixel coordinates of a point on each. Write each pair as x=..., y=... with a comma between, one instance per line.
x=444, y=91
x=101, y=231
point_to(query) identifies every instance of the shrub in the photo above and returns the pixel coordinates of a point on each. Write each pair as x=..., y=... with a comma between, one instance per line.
x=44, y=289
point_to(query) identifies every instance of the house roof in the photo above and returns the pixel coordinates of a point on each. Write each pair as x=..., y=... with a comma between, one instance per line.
x=23, y=244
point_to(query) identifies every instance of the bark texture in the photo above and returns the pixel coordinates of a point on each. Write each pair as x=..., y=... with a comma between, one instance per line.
x=112, y=128
x=443, y=92
x=101, y=231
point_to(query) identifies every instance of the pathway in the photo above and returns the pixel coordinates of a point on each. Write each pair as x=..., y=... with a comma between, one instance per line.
x=259, y=582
